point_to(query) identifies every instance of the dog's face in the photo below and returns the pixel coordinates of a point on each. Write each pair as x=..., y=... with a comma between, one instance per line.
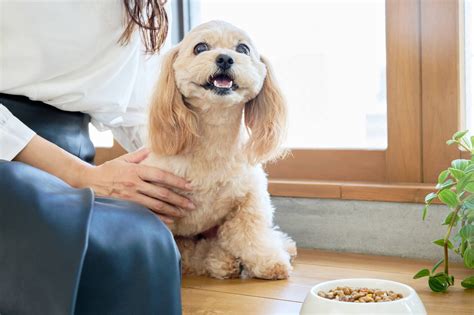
x=218, y=63
x=216, y=66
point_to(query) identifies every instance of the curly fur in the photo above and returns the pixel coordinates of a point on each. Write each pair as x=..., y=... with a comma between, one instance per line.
x=219, y=142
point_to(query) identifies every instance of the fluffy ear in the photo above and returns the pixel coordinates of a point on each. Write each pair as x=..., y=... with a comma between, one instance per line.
x=172, y=125
x=266, y=118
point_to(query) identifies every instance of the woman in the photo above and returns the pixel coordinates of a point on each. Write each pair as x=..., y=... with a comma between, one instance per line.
x=65, y=246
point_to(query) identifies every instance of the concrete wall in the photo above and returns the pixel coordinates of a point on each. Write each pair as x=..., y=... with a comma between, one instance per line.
x=382, y=228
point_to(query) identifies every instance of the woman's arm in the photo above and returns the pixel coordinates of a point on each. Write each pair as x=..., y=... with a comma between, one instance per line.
x=122, y=177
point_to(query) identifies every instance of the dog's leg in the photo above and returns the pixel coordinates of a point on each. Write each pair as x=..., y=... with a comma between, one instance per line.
x=249, y=234
x=205, y=257
x=220, y=263
x=193, y=255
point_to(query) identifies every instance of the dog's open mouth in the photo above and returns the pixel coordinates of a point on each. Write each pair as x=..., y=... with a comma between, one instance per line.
x=221, y=84
x=222, y=81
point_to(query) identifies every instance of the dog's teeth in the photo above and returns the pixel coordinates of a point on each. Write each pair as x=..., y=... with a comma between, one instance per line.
x=223, y=84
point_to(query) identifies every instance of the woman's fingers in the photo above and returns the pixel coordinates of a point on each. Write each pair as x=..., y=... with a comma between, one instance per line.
x=137, y=156
x=165, y=219
x=154, y=174
x=159, y=207
x=165, y=194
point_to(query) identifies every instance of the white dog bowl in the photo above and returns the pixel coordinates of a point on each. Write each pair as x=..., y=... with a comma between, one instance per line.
x=409, y=304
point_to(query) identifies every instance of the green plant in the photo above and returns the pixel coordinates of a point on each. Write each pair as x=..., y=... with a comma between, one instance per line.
x=455, y=189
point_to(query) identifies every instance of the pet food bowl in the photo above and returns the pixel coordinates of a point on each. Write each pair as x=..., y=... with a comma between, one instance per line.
x=409, y=304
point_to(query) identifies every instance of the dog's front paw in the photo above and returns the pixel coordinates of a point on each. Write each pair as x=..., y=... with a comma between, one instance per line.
x=225, y=269
x=221, y=264
x=271, y=269
x=276, y=272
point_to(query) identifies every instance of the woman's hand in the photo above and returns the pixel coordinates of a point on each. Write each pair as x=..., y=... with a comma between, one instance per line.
x=122, y=178
x=149, y=186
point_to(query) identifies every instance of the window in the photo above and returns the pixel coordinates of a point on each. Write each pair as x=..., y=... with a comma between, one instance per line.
x=469, y=64
x=329, y=56
x=409, y=94
x=389, y=33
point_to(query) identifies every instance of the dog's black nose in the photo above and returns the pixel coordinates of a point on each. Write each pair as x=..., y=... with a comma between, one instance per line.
x=224, y=61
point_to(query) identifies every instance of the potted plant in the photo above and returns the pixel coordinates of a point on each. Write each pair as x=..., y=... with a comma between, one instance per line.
x=455, y=189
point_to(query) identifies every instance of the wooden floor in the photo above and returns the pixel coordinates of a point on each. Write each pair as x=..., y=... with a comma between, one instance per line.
x=211, y=296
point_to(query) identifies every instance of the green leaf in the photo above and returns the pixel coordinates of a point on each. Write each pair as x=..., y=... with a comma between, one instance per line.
x=448, y=197
x=450, y=245
x=469, y=258
x=446, y=184
x=458, y=135
x=464, y=182
x=468, y=283
x=443, y=176
x=467, y=143
x=440, y=242
x=469, y=202
x=451, y=280
x=438, y=283
x=462, y=247
x=469, y=169
x=437, y=265
x=469, y=187
x=422, y=273
x=430, y=197
x=470, y=216
x=449, y=142
x=472, y=140
x=458, y=174
x=460, y=164
x=467, y=232
x=425, y=210
x=450, y=217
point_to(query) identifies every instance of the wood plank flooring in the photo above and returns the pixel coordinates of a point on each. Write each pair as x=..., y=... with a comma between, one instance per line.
x=254, y=297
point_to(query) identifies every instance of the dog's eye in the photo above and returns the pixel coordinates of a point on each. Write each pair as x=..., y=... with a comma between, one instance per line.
x=201, y=47
x=243, y=49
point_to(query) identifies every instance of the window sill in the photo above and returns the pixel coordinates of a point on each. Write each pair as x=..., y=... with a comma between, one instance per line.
x=399, y=192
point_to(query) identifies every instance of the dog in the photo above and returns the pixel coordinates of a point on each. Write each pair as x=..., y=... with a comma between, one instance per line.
x=216, y=115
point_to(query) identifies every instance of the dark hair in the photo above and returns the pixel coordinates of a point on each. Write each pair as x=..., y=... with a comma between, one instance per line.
x=152, y=21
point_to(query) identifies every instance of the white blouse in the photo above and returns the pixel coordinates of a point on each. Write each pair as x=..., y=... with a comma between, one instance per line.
x=66, y=54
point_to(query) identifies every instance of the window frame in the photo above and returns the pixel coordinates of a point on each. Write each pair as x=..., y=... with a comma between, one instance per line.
x=423, y=111
x=401, y=161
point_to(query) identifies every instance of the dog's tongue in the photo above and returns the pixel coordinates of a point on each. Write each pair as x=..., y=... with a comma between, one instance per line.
x=222, y=82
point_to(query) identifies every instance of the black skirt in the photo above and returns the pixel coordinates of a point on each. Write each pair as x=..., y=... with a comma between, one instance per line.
x=65, y=251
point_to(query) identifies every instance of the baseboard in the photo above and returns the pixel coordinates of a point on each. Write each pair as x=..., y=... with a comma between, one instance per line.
x=381, y=228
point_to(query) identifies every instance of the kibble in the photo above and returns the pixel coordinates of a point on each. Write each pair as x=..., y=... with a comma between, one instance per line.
x=360, y=295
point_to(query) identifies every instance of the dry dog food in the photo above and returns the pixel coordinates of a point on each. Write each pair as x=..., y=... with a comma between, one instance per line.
x=360, y=295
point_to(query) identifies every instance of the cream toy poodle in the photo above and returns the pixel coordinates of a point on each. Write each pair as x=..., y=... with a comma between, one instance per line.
x=216, y=116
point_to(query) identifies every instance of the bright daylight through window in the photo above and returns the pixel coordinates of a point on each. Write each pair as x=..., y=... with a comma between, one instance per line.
x=469, y=64
x=330, y=58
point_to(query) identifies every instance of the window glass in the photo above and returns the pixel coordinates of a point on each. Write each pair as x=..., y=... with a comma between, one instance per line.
x=469, y=64
x=330, y=59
